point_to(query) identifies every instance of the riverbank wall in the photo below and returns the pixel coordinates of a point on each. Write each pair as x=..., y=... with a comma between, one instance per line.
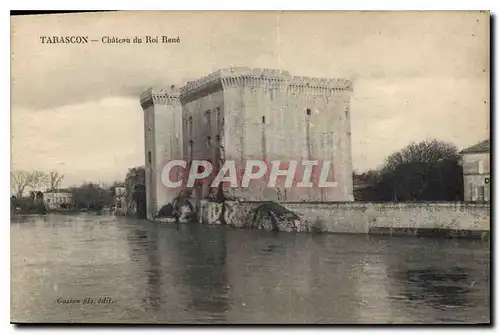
x=447, y=219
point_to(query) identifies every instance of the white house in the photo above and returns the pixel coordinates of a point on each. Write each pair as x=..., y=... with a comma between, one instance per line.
x=58, y=199
x=476, y=167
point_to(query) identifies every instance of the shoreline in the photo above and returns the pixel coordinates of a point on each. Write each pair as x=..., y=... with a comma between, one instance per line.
x=483, y=235
x=455, y=220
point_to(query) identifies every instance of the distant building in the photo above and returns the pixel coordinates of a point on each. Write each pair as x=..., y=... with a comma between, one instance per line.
x=120, y=198
x=58, y=199
x=476, y=166
x=120, y=192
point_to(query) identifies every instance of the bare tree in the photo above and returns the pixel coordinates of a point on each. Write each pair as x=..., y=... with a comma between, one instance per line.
x=54, y=179
x=19, y=180
x=38, y=180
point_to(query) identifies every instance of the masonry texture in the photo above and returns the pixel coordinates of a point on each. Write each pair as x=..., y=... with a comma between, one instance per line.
x=163, y=143
x=241, y=114
x=450, y=219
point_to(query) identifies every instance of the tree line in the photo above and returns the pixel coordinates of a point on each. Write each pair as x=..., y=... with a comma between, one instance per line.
x=87, y=196
x=429, y=170
x=21, y=180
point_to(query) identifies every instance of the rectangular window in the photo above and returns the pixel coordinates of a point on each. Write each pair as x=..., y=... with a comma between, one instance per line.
x=480, y=167
x=263, y=119
x=190, y=127
x=217, y=116
x=480, y=193
x=207, y=116
x=190, y=151
x=308, y=112
x=149, y=157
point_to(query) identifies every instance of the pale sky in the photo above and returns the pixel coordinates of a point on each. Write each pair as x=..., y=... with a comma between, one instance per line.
x=75, y=107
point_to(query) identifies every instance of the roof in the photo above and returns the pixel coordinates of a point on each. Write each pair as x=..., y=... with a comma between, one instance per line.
x=481, y=147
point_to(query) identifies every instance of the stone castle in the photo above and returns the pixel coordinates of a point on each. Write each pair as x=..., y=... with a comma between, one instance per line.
x=243, y=113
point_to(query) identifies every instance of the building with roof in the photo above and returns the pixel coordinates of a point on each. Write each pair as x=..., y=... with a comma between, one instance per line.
x=476, y=169
x=58, y=199
x=120, y=200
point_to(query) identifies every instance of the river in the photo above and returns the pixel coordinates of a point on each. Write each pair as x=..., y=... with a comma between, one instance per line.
x=103, y=269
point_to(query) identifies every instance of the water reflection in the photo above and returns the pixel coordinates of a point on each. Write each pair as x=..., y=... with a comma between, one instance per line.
x=193, y=273
x=144, y=247
x=202, y=257
x=440, y=288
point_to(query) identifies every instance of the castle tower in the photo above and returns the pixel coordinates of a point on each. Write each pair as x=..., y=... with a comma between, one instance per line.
x=163, y=143
x=243, y=113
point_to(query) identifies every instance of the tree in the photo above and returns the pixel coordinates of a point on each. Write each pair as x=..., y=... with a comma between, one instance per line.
x=427, y=152
x=54, y=179
x=135, y=183
x=38, y=180
x=424, y=171
x=135, y=176
x=91, y=196
x=20, y=179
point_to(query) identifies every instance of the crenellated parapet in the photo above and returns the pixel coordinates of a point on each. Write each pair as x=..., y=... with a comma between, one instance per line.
x=265, y=78
x=319, y=85
x=169, y=96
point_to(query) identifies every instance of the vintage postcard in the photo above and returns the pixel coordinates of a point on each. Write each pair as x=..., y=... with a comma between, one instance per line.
x=250, y=167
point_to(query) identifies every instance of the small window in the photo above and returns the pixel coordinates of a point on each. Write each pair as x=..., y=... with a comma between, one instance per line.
x=480, y=167
x=480, y=193
x=217, y=138
x=308, y=112
x=207, y=115
x=217, y=115
x=209, y=141
x=191, y=143
x=149, y=157
x=263, y=119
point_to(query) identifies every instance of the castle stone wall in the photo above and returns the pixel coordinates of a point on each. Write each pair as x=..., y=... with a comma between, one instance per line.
x=163, y=143
x=448, y=219
x=271, y=115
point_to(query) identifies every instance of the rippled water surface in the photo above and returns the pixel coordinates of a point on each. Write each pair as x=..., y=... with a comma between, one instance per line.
x=124, y=270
